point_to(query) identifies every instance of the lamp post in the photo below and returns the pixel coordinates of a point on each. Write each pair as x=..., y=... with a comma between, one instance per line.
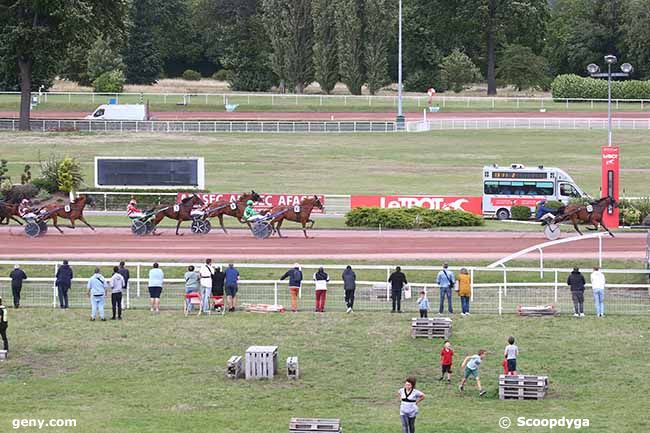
x=400, y=112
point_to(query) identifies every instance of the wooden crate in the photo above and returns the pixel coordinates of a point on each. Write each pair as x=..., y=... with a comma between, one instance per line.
x=293, y=368
x=3, y=355
x=434, y=327
x=311, y=425
x=522, y=387
x=261, y=362
x=235, y=367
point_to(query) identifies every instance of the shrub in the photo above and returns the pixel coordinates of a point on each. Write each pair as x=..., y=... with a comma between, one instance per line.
x=457, y=70
x=191, y=75
x=520, y=213
x=629, y=216
x=69, y=174
x=45, y=184
x=642, y=206
x=26, y=176
x=574, y=86
x=19, y=192
x=109, y=82
x=410, y=218
x=222, y=75
x=49, y=180
x=3, y=170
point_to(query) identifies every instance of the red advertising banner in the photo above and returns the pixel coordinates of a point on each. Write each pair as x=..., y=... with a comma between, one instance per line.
x=466, y=203
x=268, y=200
x=610, y=163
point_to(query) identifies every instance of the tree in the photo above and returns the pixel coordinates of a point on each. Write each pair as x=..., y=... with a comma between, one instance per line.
x=33, y=35
x=142, y=57
x=522, y=68
x=378, y=25
x=457, y=70
x=636, y=34
x=103, y=58
x=325, y=59
x=275, y=18
x=349, y=37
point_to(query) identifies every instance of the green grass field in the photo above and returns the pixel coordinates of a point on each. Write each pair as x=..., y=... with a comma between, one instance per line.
x=441, y=162
x=166, y=373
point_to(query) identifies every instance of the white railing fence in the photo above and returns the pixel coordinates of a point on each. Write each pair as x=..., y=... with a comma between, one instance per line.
x=525, y=123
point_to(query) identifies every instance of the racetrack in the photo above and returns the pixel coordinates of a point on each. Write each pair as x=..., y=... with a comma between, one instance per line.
x=119, y=243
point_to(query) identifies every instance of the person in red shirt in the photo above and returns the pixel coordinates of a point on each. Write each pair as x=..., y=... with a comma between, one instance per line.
x=132, y=210
x=446, y=359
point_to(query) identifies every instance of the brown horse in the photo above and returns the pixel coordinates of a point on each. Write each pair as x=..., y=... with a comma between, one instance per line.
x=581, y=213
x=300, y=214
x=232, y=208
x=9, y=211
x=180, y=212
x=72, y=211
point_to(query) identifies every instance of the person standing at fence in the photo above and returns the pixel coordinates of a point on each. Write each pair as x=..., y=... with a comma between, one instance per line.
x=218, y=283
x=96, y=292
x=295, y=281
x=231, y=279
x=156, y=279
x=397, y=282
x=464, y=291
x=191, y=285
x=598, y=287
x=64, y=276
x=446, y=281
x=409, y=399
x=206, y=272
x=124, y=272
x=17, y=277
x=117, y=288
x=320, y=278
x=576, y=283
x=4, y=323
x=349, y=285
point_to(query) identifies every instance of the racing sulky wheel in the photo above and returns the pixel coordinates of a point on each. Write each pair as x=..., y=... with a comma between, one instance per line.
x=139, y=228
x=552, y=231
x=32, y=229
x=200, y=227
x=261, y=229
x=43, y=227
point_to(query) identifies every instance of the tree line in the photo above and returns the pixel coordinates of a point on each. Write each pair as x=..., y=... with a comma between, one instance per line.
x=258, y=44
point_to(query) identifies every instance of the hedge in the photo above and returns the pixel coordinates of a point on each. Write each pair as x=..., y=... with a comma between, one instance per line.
x=571, y=86
x=191, y=75
x=520, y=213
x=403, y=218
x=633, y=212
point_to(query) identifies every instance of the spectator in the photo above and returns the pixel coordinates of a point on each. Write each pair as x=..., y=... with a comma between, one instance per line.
x=409, y=398
x=470, y=369
x=446, y=360
x=218, y=282
x=598, y=287
x=4, y=322
x=231, y=278
x=206, y=272
x=349, y=285
x=295, y=280
x=64, y=276
x=446, y=282
x=321, y=278
x=464, y=291
x=17, y=276
x=510, y=353
x=97, y=292
x=124, y=272
x=191, y=285
x=397, y=282
x=156, y=279
x=117, y=287
x=423, y=304
x=576, y=283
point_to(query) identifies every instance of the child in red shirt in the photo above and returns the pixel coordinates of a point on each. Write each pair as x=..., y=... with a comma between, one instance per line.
x=446, y=359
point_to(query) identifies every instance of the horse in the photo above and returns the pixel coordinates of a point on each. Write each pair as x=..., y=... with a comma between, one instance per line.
x=300, y=214
x=180, y=212
x=9, y=211
x=580, y=213
x=72, y=211
x=232, y=208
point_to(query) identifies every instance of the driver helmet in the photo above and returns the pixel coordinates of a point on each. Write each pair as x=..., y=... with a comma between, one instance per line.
x=133, y=201
x=25, y=201
x=249, y=203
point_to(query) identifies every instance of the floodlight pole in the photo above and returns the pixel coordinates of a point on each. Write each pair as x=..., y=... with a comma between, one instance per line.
x=400, y=111
x=609, y=104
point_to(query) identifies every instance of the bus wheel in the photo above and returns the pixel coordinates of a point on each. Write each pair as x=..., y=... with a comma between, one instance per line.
x=503, y=214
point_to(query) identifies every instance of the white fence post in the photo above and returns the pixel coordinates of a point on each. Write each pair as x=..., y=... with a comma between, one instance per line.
x=500, y=308
x=138, y=280
x=275, y=293
x=54, y=290
x=555, y=287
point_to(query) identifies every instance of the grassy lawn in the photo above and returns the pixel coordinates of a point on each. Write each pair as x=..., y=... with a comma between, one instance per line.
x=166, y=373
x=445, y=162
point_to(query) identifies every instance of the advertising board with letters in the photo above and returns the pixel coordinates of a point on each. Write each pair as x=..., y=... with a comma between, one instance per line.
x=466, y=203
x=268, y=200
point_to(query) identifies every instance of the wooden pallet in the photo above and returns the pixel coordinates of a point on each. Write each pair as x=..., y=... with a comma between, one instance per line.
x=3, y=355
x=263, y=308
x=522, y=380
x=521, y=394
x=311, y=425
x=261, y=362
x=537, y=310
x=235, y=367
x=522, y=387
x=434, y=327
x=293, y=369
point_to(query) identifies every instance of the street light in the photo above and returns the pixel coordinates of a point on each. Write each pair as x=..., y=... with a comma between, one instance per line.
x=400, y=112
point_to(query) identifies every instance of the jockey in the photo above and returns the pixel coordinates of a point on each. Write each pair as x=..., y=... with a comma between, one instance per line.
x=132, y=210
x=544, y=213
x=251, y=214
x=25, y=209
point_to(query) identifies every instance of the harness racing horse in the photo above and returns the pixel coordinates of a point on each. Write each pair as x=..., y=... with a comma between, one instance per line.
x=232, y=208
x=72, y=211
x=581, y=213
x=180, y=212
x=300, y=214
x=9, y=211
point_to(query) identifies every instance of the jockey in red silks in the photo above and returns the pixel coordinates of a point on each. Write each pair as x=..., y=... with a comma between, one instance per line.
x=132, y=210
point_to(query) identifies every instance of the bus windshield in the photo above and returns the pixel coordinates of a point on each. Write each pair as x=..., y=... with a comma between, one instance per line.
x=508, y=187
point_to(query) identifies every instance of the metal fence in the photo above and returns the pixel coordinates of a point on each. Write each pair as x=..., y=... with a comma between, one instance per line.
x=494, y=291
x=525, y=123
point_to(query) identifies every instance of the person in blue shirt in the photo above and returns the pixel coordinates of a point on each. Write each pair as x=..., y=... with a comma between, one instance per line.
x=156, y=278
x=446, y=282
x=423, y=304
x=231, y=278
x=96, y=292
x=470, y=367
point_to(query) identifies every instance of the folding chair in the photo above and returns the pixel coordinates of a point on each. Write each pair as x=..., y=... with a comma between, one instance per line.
x=194, y=299
x=217, y=302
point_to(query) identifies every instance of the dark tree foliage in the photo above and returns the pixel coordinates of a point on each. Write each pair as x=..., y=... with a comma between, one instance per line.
x=142, y=56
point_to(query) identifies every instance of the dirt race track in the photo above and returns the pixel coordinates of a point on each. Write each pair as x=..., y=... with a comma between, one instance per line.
x=114, y=243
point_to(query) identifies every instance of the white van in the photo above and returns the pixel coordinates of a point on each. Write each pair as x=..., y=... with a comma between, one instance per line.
x=120, y=112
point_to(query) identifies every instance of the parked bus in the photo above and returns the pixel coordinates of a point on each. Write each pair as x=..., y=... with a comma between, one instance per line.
x=504, y=187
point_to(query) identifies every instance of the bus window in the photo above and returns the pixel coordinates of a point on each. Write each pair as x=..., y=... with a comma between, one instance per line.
x=544, y=188
x=491, y=188
x=518, y=188
x=567, y=190
x=99, y=112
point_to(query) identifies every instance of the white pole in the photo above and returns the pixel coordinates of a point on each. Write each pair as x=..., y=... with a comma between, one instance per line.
x=400, y=112
x=609, y=104
x=275, y=293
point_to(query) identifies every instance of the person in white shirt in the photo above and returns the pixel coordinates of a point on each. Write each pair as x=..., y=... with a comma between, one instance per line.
x=598, y=287
x=206, y=272
x=510, y=353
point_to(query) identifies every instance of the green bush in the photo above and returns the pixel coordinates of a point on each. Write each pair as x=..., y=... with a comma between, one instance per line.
x=46, y=184
x=571, y=86
x=109, y=82
x=19, y=192
x=629, y=217
x=69, y=174
x=633, y=210
x=410, y=218
x=520, y=213
x=191, y=75
x=222, y=75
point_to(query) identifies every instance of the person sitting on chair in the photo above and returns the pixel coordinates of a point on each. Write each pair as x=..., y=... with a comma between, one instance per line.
x=132, y=210
x=25, y=210
x=251, y=214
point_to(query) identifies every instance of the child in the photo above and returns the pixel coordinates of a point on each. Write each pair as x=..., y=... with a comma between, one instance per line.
x=423, y=303
x=446, y=359
x=470, y=366
x=510, y=354
x=409, y=398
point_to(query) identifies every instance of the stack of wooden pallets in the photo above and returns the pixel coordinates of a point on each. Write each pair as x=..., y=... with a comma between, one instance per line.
x=234, y=367
x=537, y=310
x=261, y=362
x=313, y=425
x=433, y=327
x=293, y=368
x=522, y=387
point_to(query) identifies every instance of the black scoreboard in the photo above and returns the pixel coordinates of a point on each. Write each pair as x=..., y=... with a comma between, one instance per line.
x=149, y=172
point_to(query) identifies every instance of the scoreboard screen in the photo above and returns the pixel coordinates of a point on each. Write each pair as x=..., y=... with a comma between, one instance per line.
x=149, y=172
x=518, y=175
